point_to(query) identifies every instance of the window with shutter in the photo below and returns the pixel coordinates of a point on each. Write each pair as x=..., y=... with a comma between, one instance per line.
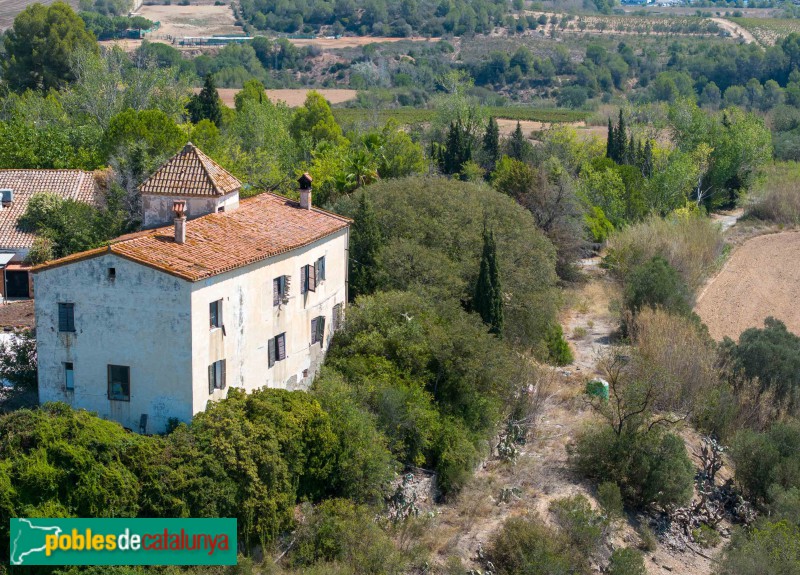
x=69, y=376
x=320, y=269
x=210, y=379
x=303, y=279
x=276, y=292
x=215, y=313
x=66, y=317
x=216, y=376
x=314, y=331
x=311, y=284
x=321, y=329
x=271, y=346
x=280, y=347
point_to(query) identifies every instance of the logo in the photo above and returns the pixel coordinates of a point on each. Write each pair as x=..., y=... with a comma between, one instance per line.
x=123, y=542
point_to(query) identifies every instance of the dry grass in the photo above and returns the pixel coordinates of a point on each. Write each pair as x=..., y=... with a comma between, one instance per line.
x=179, y=21
x=777, y=197
x=292, y=98
x=691, y=243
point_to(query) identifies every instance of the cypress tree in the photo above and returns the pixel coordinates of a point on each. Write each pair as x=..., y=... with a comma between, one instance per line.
x=488, y=298
x=365, y=243
x=647, y=161
x=491, y=144
x=457, y=149
x=630, y=158
x=206, y=105
x=516, y=147
x=621, y=140
x=610, y=143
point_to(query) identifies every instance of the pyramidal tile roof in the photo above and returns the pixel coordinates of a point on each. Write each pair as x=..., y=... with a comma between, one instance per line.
x=190, y=173
x=261, y=227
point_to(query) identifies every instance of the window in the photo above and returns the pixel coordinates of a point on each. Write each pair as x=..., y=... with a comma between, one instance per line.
x=280, y=290
x=308, y=279
x=320, y=269
x=277, y=349
x=317, y=329
x=69, y=376
x=112, y=274
x=216, y=376
x=336, y=317
x=66, y=317
x=119, y=382
x=215, y=313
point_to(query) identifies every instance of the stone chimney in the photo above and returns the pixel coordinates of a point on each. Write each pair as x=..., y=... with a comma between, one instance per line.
x=179, y=208
x=305, y=191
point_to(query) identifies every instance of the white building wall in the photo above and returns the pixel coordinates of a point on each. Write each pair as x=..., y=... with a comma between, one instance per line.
x=140, y=319
x=251, y=320
x=157, y=209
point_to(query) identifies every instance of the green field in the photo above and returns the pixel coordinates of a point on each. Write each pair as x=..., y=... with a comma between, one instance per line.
x=769, y=31
x=411, y=116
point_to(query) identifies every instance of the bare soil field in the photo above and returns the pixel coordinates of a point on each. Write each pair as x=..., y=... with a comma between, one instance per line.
x=292, y=98
x=10, y=8
x=17, y=314
x=584, y=131
x=179, y=21
x=760, y=279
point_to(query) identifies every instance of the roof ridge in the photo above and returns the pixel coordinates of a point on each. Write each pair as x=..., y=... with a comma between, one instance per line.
x=190, y=172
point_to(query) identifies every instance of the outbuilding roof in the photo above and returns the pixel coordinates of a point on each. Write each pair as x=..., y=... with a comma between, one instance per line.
x=261, y=227
x=69, y=184
x=190, y=173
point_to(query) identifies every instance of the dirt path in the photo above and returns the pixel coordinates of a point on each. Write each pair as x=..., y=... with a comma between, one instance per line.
x=735, y=30
x=760, y=279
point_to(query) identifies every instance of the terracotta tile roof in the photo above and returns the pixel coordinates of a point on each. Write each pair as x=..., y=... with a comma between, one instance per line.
x=190, y=173
x=73, y=184
x=261, y=227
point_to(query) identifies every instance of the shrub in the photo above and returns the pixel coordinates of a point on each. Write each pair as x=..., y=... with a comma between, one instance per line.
x=657, y=284
x=689, y=242
x=772, y=355
x=706, y=536
x=527, y=546
x=648, y=540
x=610, y=498
x=769, y=548
x=557, y=347
x=777, y=197
x=339, y=530
x=626, y=561
x=650, y=467
x=768, y=462
x=579, y=522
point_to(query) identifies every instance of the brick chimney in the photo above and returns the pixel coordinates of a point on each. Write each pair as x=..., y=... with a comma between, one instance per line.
x=179, y=209
x=305, y=191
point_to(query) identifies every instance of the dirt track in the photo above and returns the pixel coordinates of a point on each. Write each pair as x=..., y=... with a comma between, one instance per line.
x=735, y=30
x=760, y=279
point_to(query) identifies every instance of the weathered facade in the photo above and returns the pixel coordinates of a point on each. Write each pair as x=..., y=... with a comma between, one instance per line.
x=151, y=328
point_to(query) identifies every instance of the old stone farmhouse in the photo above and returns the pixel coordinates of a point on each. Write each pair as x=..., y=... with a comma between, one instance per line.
x=17, y=187
x=223, y=293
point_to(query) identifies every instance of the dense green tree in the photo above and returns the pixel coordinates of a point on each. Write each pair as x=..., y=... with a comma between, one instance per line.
x=365, y=243
x=657, y=284
x=314, y=121
x=457, y=149
x=206, y=105
x=491, y=145
x=518, y=145
x=18, y=361
x=488, y=298
x=39, y=45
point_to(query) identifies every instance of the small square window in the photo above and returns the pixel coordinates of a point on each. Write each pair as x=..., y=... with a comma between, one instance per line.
x=112, y=274
x=215, y=313
x=66, y=317
x=69, y=376
x=119, y=382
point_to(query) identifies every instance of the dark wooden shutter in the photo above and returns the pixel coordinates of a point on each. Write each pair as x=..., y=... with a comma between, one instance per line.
x=276, y=295
x=281, y=346
x=66, y=317
x=271, y=346
x=321, y=273
x=321, y=329
x=312, y=278
x=223, y=374
x=210, y=379
x=314, y=331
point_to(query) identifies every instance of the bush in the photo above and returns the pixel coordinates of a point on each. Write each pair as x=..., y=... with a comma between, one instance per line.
x=528, y=546
x=690, y=242
x=339, y=530
x=610, y=498
x=579, y=522
x=18, y=364
x=626, y=561
x=769, y=548
x=557, y=347
x=772, y=355
x=776, y=198
x=706, y=536
x=651, y=468
x=767, y=463
x=656, y=284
